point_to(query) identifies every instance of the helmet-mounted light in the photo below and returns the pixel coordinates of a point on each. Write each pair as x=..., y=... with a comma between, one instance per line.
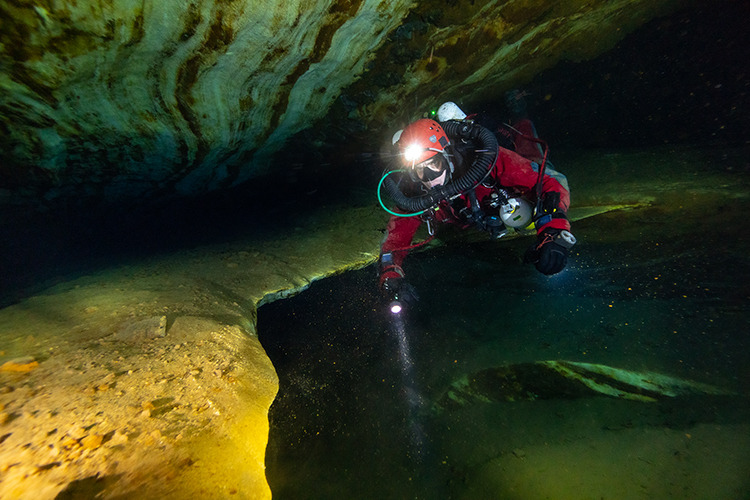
x=412, y=153
x=420, y=141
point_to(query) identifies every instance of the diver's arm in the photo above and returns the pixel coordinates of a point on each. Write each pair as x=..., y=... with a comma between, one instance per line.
x=399, y=234
x=518, y=172
x=550, y=252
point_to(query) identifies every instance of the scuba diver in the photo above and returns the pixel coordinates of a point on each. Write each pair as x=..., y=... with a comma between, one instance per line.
x=454, y=170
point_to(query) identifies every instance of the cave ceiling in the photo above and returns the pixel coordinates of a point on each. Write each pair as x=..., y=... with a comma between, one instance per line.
x=136, y=100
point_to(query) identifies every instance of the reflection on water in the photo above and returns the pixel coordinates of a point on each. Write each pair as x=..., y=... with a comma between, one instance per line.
x=660, y=289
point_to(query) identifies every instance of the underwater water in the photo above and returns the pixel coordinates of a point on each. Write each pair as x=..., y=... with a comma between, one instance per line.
x=367, y=406
x=660, y=288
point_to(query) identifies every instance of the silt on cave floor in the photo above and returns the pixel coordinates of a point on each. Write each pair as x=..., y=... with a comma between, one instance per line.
x=121, y=402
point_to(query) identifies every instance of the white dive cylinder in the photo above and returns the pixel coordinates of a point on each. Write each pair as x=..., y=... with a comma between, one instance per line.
x=517, y=213
x=449, y=111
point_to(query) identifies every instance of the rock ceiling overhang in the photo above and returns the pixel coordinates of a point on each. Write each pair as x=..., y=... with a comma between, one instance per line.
x=137, y=100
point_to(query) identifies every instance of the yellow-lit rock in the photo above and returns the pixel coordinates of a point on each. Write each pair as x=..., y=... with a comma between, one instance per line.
x=183, y=415
x=16, y=366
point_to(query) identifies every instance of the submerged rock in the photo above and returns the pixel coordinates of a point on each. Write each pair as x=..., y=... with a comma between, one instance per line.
x=145, y=329
x=25, y=364
x=567, y=380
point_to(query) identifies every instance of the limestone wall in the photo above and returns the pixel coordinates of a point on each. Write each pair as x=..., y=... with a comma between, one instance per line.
x=148, y=380
x=143, y=99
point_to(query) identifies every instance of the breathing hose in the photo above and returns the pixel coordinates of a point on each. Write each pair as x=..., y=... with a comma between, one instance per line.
x=479, y=169
x=380, y=198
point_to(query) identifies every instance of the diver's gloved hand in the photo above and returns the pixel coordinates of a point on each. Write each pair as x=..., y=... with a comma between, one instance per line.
x=397, y=288
x=550, y=252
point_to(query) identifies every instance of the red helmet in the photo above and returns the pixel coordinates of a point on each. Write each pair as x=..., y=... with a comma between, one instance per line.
x=420, y=141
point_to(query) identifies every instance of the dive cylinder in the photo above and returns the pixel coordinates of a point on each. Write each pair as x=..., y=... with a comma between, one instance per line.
x=450, y=111
x=516, y=213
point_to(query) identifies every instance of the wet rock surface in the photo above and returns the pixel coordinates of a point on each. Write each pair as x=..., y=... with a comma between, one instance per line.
x=124, y=103
x=147, y=380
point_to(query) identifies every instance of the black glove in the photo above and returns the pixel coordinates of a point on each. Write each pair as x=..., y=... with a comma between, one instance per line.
x=548, y=256
x=398, y=289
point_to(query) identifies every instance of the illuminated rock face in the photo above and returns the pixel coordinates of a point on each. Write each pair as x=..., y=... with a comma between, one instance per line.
x=126, y=99
x=143, y=98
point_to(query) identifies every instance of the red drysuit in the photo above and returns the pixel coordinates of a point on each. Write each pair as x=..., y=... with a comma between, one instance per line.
x=512, y=172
